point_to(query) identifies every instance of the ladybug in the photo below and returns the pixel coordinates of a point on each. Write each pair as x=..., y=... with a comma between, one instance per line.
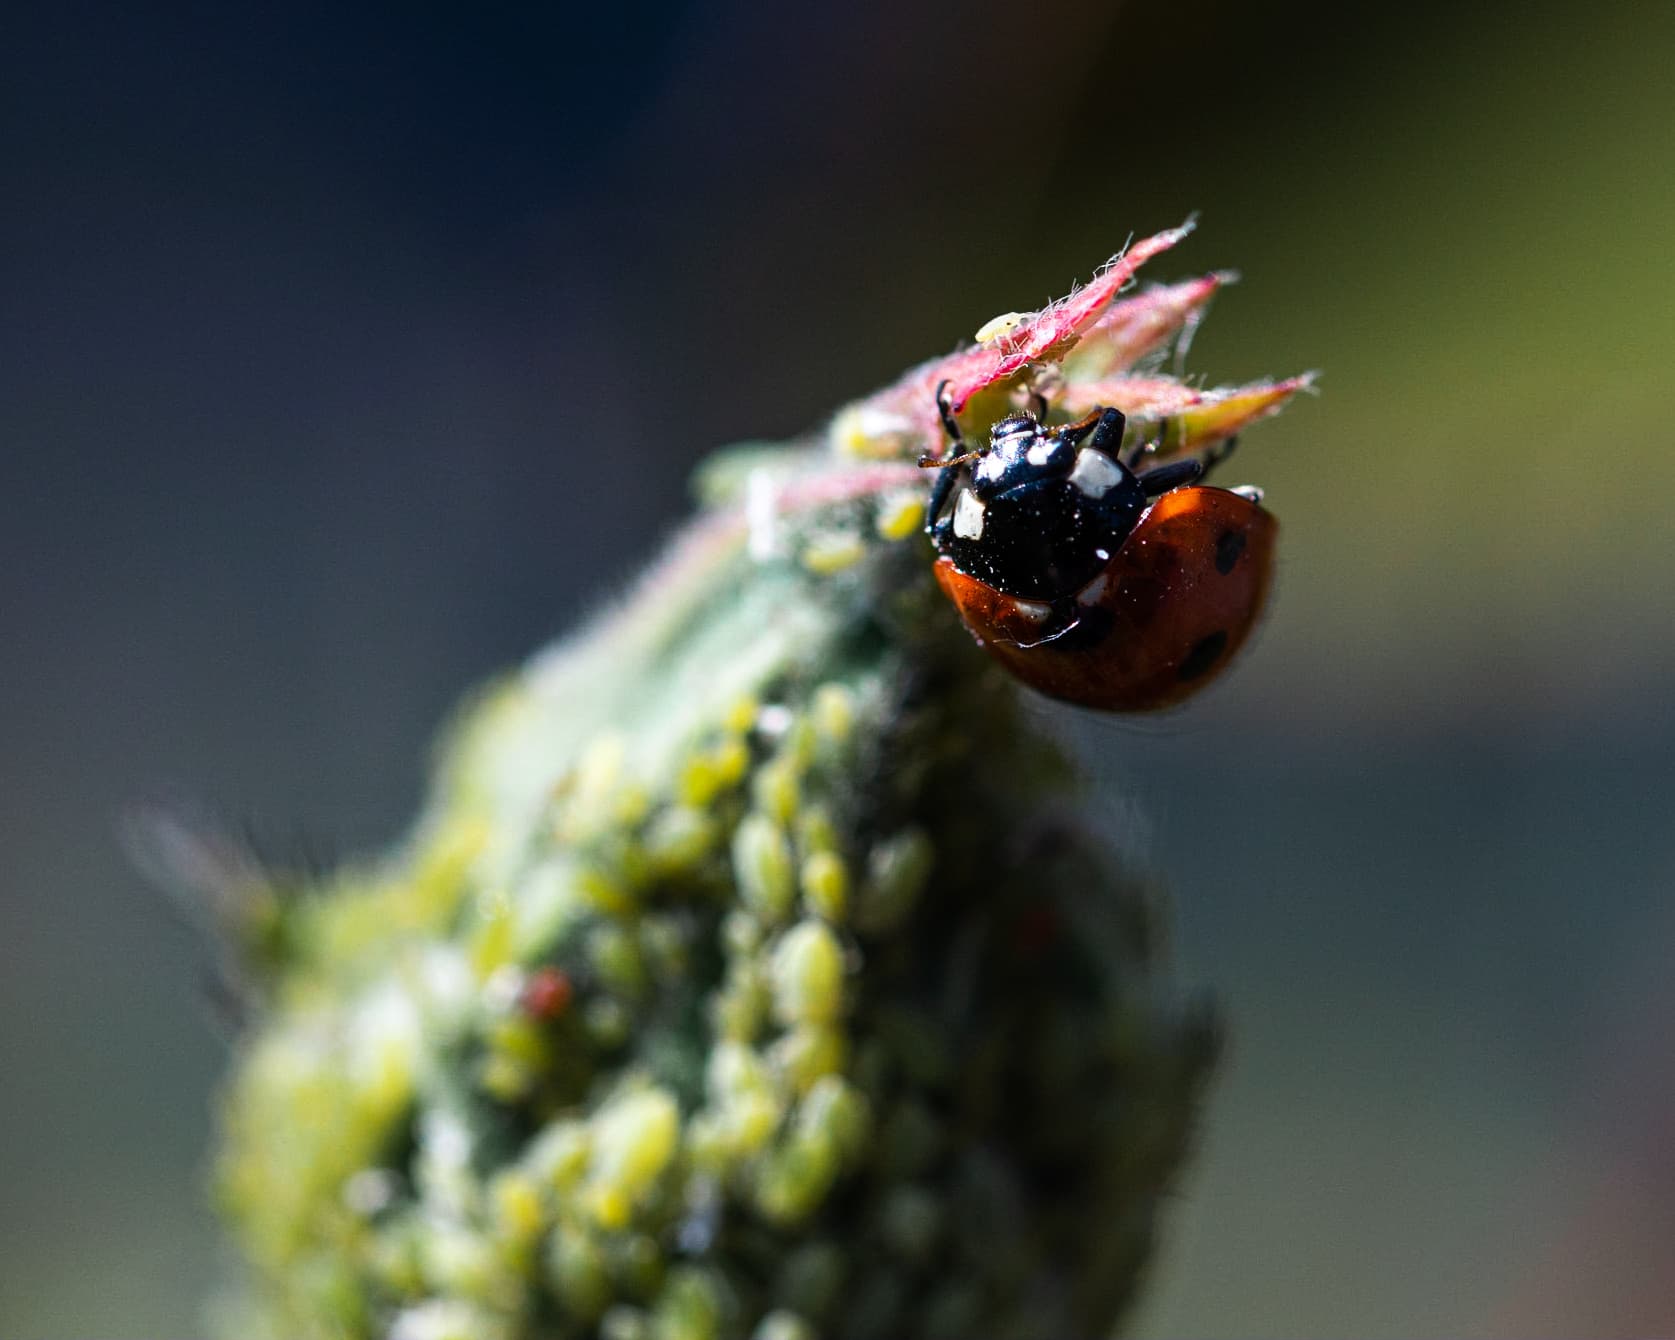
x=1088, y=578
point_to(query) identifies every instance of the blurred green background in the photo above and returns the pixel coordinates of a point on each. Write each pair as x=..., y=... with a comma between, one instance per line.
x=350, y=353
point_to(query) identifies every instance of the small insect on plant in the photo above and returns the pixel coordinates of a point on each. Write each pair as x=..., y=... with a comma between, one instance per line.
x=1089, y=578
x=1076, y=532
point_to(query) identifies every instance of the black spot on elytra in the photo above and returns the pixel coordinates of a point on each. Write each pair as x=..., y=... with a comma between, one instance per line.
x=1204, y=655
x=1228, y=548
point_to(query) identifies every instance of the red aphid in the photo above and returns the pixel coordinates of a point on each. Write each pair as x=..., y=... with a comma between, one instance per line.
x=547, y=994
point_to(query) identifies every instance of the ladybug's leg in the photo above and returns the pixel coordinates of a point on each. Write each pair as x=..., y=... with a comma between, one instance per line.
x=950, y=425
x=938, y=501
x=1148, y=446
x=1165, y=477
x=1219, y=453
x=1066, y=618
x=1107, y=433
x=1106, y=425
x=1073, y=433
x=1071, y=625
x=955, y=452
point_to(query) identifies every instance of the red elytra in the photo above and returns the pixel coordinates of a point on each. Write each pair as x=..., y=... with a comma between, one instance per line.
x=1164, y=618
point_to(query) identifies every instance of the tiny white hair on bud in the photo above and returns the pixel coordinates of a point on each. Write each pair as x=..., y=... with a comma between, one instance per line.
x=761, y=514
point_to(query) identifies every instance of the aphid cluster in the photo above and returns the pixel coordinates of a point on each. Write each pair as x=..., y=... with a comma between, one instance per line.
x=691, y=1009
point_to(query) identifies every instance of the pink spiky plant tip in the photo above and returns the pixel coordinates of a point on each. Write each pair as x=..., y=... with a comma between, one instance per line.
x=1100, y=346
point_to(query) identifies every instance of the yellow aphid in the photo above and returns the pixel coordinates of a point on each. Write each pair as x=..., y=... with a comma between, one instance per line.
x=825, y=883
x=634, y=1137
x=996, y=327
x=833, y=552
x=869, y=433
x=808, y=1053
x=740, y=715
x=806, y=975
x=517, y=1206
x=900, y=516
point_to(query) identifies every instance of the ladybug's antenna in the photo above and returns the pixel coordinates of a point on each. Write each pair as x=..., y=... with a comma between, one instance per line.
x=929, y=462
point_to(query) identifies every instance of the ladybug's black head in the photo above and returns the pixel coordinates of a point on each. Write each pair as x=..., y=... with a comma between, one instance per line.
x=1014, y=429
x=1039, y=514
x=1021, y=449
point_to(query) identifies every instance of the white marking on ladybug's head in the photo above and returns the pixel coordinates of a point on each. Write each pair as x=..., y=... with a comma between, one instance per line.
x=990, y=468
x=1095, y=474
x=968, y=516
x=1092, y=593
x=1036, y=611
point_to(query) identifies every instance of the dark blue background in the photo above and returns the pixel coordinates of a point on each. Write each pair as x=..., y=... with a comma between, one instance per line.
x=351, y=352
